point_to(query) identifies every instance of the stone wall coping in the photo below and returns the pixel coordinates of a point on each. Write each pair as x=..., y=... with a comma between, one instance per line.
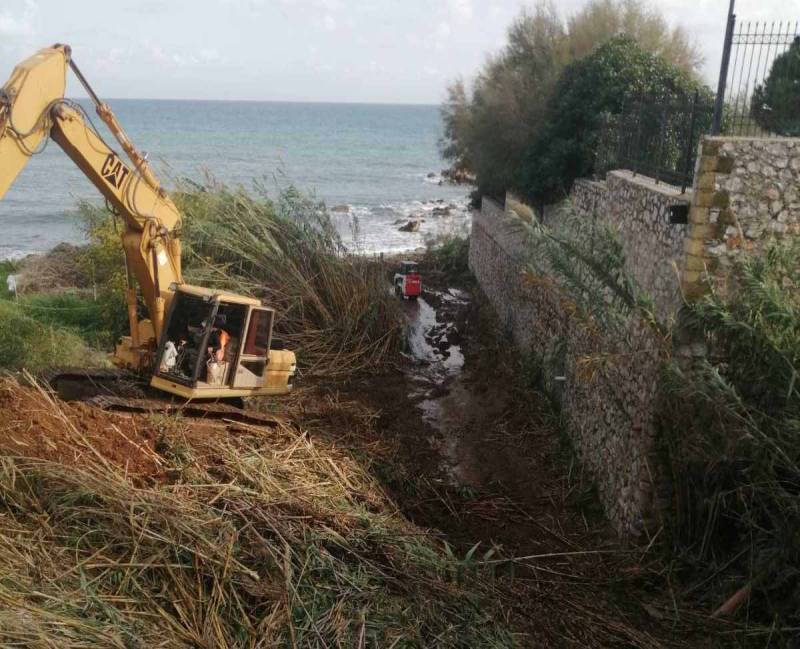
x=665, y=189
x=749, y=138
x=594, y=184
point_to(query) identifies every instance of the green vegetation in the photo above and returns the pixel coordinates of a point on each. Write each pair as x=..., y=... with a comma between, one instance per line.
x=775, y=103
x=333, y=308
x=490, y=131
x=26, y=342
x=728, y=423
x=45, y=330
x=731, y=428
x=449, y=255
x=587, y=97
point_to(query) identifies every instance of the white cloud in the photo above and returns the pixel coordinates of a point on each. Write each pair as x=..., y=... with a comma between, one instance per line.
x=460, y=10
x=329, y=23
x=443, y=31
x=20, y=23
x=161, y=56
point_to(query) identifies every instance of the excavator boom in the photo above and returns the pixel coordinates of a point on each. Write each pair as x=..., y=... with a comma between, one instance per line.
x=174, y=343
x=33, y=108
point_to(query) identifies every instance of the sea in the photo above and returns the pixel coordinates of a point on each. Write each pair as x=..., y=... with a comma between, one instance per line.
x=375, y=166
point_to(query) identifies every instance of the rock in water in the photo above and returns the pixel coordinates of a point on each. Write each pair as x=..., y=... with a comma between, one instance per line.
x=340, y=208
x=411, y=226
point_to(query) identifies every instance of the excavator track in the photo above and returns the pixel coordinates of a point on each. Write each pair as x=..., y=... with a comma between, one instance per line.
x=125, y=391
x=211, y=410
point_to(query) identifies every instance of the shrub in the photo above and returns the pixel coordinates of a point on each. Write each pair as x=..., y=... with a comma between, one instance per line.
x=333, y=308
x=490, y=130
x=28, y=343
x=88, y=318
x=602, y=84
x=449, y=255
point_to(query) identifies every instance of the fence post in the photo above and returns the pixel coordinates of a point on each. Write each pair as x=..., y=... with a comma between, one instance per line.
x=689, y=143
x=719, y=104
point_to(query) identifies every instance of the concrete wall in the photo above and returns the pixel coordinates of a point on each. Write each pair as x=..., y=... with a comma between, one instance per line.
x=746, y=193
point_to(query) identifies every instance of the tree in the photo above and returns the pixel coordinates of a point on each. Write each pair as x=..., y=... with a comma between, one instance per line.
x=615, y=75
x=489, y=130
x=775, y=105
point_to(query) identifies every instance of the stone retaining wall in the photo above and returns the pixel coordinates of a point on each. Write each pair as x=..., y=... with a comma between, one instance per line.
x=638, y=210
x=606, y=405
x=746, y=193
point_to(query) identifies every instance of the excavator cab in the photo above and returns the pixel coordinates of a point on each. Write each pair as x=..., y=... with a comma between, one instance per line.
x=218, y=345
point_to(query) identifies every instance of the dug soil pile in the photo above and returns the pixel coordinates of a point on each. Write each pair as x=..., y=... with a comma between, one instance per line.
x=36, y=425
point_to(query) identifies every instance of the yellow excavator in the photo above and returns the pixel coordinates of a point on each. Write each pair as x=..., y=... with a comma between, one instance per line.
x=197, y=343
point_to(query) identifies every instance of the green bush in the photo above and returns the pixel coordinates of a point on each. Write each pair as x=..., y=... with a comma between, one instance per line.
x=333, y=308
x=90, y=319
x=27, y=343
x=450, y=255
x=614, y=76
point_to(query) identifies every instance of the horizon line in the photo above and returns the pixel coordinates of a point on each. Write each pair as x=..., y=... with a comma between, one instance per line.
x=268, y=101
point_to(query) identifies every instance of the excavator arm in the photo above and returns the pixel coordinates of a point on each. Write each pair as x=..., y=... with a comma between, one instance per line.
x=32, y=109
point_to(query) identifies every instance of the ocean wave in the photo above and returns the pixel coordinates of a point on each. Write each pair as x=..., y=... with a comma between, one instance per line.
x=375, y=228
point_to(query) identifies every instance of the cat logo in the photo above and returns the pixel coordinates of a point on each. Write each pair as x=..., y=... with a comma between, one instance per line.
x=114, y=171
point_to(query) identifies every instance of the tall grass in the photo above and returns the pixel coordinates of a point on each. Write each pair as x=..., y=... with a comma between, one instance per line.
x=728, y=420
x=334, y=309
x=731, y=428
x=262, y=539
x=26, y=342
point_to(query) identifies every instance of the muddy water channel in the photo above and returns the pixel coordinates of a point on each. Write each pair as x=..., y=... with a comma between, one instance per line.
x=440, y=383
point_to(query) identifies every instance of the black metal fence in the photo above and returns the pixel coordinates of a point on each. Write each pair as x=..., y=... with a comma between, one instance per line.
x=760, y=80
x=656, y=136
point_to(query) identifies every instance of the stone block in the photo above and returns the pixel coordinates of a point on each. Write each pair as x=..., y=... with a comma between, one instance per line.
x=698, y=215
x=706, y=164
x=725, y=164
x=703, y=198
x=690, y=276
x=692, y=290
x=711, y=147
x=694, y=246
x=705, y=181
x=695, y=263
x=703, y=231
x=721, y=199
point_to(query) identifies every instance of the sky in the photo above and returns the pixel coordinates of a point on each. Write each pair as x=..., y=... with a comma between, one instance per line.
x=388, y=51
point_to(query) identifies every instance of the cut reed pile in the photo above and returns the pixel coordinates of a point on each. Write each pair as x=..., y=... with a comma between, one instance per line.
x=259, y=539
x=334, y=308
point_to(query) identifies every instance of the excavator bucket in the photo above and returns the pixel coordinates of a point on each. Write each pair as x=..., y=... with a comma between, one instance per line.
x=25, y=102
